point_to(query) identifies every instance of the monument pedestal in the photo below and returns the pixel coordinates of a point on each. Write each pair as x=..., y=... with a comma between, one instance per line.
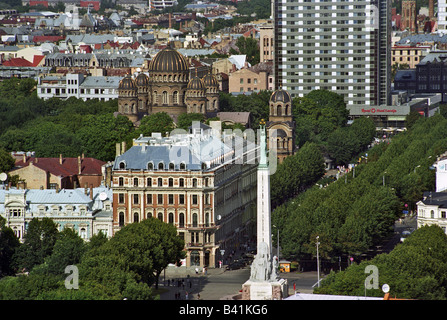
x=265, y=290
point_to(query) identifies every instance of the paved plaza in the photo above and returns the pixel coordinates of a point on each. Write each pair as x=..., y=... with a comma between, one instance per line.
x=220, y=284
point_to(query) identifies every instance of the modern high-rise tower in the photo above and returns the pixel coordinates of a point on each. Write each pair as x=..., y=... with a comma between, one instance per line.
x=341, y=46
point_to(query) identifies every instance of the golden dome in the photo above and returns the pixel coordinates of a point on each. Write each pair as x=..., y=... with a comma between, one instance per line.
x=196, y=84
x=210, y=80
x=168, y=60
x=142, y=80
x=127, y=83
x=280, y=96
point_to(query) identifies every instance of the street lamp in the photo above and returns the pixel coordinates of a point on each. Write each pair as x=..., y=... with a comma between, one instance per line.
x=277, y=246
x=318, y=263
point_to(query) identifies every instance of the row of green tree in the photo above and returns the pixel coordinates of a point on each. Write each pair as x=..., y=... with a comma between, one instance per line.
x=414, y=269
x=358, y=211
x=124, y=267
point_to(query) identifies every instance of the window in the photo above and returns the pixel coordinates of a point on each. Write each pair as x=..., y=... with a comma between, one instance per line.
x=135, y=182
x=160, y=199
x=165, y=97
x=170, y=199
x=121, y=181
x=135, y=199
x=149, y=199
x=160, y=216
x=194, y=182
x=150, y=166
x=171, y=218
x=161, y=166
x=181, y=199
x=135, y=217
x=122, y=165
x=160, y=182
x=171, y=182
x=171, y=166
x=194, y=199
x=120, y=197
x=182, y=166
x=194, y=220
x=121, y=219
x=181, y=182
x=181, y=222
x=149, y=182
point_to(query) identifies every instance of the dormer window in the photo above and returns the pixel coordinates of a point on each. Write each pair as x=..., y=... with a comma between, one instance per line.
x=161, y=166
x=122, y=165
x=150, y=166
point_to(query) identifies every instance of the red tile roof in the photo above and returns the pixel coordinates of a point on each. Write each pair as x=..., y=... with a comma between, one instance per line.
x=69, y=166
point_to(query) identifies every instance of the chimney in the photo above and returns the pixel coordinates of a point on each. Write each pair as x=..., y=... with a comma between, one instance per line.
x=60, y=159
x=79, y=165
x=123, y=146
x=431, y=9
x=118, y=150
x=170, y=20
x=85, y=188
x=91, y=192
x=24, y=158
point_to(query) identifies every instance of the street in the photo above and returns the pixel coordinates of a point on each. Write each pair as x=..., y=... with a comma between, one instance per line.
x=221, y=284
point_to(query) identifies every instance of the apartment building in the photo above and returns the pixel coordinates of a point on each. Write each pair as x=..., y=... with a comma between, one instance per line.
x=78, y=86
x=340, y=46
x=192, y=181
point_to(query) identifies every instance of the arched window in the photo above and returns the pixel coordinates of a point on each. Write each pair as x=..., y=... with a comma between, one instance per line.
x=181, y=182
x=181, y=222
x=207, y=219
x=122, y=165
x=182, y=166
x=149, y=215
x=121, y=219
x=165, y=97
x=171, y=218
x=160, y=216
x=171, y=166
x=150, y=166
x=135, y=217
x=161, y=166
x=194, y=220
x=175, y=97
x=278, y=113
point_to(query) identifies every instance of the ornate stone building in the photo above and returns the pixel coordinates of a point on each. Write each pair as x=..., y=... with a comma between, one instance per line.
x=281, y=127
x=168, y=87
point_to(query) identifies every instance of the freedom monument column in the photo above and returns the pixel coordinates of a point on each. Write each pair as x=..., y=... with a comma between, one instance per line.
x=264, y=282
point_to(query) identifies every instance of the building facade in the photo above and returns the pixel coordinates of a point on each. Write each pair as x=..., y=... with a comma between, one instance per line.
x=87, y=211
x=281, y=127
x=168, y=87
x=339, y=46
x=191, y=182
x=78, y=86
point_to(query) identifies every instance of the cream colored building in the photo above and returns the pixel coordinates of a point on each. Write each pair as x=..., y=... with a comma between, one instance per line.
x=266, y=45
x=253, y=79
x=408, y=55
x=193, y=182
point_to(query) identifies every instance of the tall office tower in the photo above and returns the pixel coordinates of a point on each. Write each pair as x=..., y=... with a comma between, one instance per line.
x=341, y=46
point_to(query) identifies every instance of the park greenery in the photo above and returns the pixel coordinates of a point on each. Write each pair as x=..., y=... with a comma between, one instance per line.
x=124, y=267
x=350, y=215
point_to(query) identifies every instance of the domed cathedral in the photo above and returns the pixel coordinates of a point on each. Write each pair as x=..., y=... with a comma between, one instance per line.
x=281, y=127
x=128, y=98
x=168, y=87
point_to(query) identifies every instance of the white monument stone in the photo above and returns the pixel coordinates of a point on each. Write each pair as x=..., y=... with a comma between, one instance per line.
x=264, y=282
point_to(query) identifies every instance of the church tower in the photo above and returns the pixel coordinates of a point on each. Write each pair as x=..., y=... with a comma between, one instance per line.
x=281, y=127
x=128, y=98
